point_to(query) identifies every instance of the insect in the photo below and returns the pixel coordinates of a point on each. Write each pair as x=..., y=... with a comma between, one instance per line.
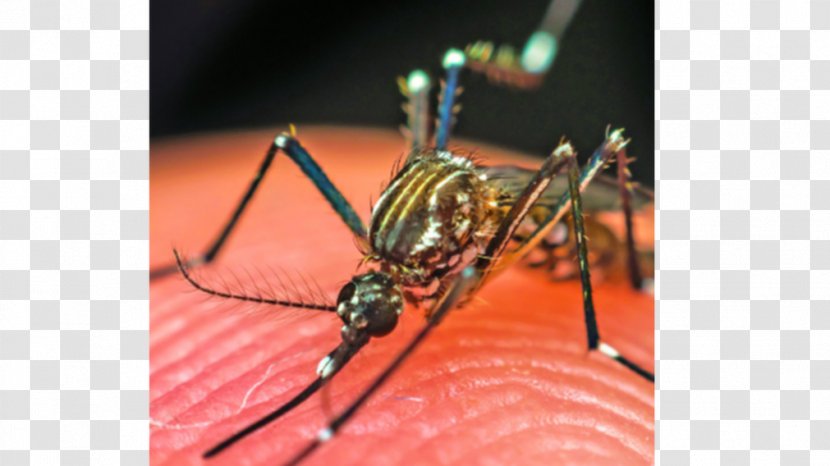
x=442, y=228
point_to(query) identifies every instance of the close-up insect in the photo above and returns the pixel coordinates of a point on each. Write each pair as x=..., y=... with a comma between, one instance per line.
x=448, y=222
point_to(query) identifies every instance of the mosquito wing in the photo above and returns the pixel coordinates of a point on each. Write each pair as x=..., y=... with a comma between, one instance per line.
x=603, y=194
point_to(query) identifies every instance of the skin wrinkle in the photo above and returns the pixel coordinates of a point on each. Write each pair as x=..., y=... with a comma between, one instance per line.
x=438, y=350
x=213, y=390
x=513, y=392
x=301, y=359
x=460, y=360
x=175, y=337
x=312, y=360
x=505, y=401
x=192, y=340
x=516, y=341
x=558, y=390
x=465, y=378
x=473, y=422
x=494, y=438
x=241, y=325
x=161, y=324
x=557, y=321
x=424, y=375
x=253, y=342
x=242, y=405
x=214, y=352
x=435, y=349
x=547, y=447
x=402, y=421
x=288, y=392
x=456, y=364
x=186, y=344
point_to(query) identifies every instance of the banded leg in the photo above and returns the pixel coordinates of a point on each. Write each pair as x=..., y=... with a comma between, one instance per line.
x=528, y=69
x=416, y=89
x=502, y=65
x=287, y=144
x=453, y=63
x=613, y=143
x=592, y=330
x=460, y=286
x=494, y=253
x=624, y=180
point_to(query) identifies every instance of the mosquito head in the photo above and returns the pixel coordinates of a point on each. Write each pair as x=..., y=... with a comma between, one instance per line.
x=370, y=303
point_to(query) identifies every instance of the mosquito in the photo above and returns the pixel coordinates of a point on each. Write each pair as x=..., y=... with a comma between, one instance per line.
x=444, y=226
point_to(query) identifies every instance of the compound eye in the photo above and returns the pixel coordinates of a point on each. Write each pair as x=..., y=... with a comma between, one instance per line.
x=382, y=323
x=346, y=293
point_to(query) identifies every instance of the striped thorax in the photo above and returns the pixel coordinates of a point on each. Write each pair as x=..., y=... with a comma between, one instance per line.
x=432, y=218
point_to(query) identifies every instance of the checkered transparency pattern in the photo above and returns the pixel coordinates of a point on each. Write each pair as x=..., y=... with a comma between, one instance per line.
x=743, y=221
x=74, y=80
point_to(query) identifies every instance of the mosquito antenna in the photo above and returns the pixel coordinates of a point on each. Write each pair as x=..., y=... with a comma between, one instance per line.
x=626, y=188
x=281, y=290
x=306, y=284
x=239, y=285
x=269, y=289
x=255, y=283
x=315, y=293
x=241, y=297
x=225, y=284
x=321, y=294
x=335, y=361
x=294, y=288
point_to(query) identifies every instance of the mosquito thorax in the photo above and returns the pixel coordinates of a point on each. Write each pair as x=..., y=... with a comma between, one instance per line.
x=436, y=208
x=370, y=303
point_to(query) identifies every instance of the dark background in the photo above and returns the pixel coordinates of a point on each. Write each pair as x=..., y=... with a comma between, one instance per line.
x=222, y=64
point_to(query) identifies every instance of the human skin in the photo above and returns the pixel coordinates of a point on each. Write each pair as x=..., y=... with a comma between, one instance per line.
x=505, y=380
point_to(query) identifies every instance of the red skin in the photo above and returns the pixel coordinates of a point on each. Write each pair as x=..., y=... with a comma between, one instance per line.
x=506, y=380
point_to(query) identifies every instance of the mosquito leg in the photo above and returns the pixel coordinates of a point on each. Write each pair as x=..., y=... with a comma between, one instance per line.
x=287, y=144
x=453, y=63
x=462, y=285
x=524, y=203
x=594, y=342
x=614, y=142
x=582, y=258
x=526, y=70
x=503, y=64
x=328, y=367
x=416, y=89
x=291, y=147
x=624, y=180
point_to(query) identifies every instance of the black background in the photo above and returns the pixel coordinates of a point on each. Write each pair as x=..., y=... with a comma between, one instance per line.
x=221, y=64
